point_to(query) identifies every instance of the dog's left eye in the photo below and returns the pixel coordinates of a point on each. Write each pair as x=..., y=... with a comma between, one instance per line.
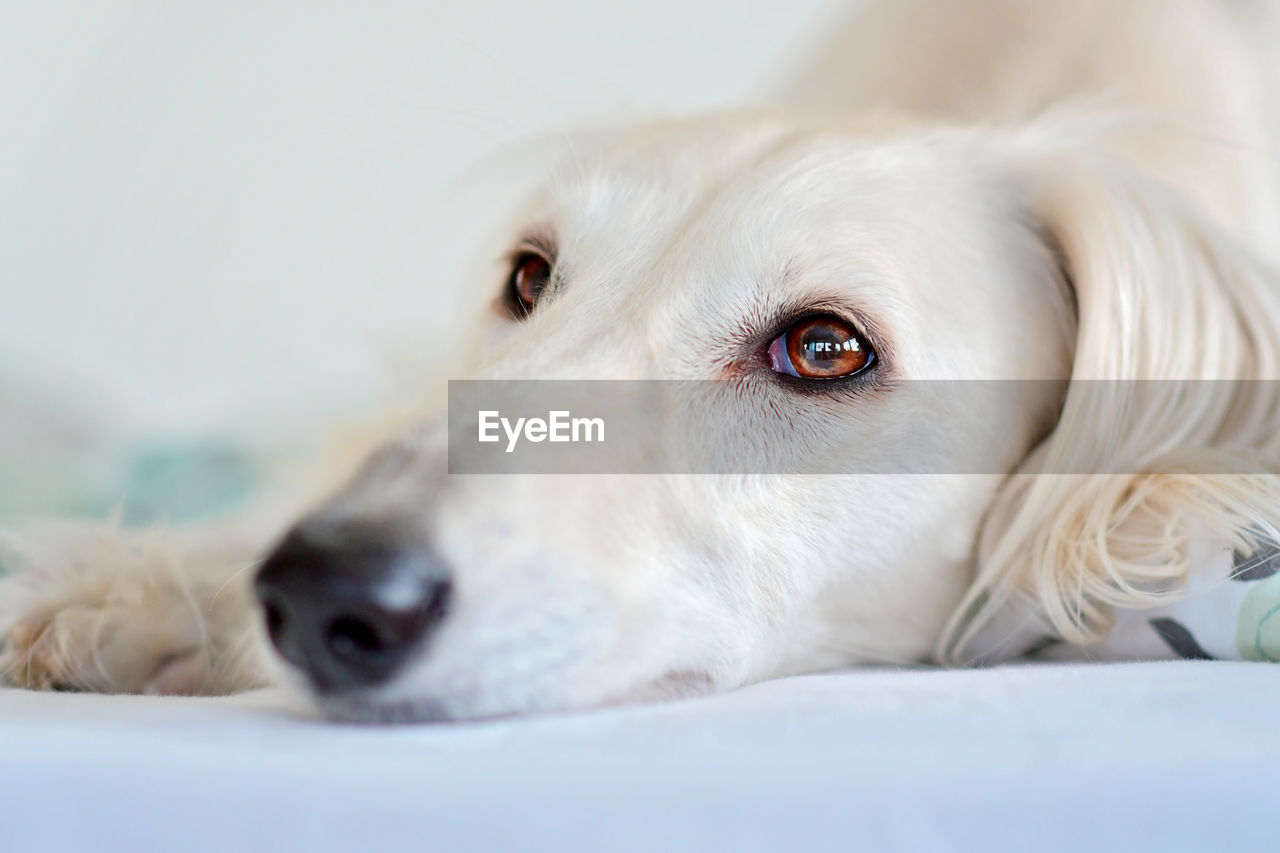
x=820, y=347
x=530, y=274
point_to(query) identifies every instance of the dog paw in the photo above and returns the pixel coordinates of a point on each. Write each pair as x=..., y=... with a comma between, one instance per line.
x=93, y=608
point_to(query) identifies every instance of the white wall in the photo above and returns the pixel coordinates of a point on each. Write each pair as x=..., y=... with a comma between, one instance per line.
x=220, y=212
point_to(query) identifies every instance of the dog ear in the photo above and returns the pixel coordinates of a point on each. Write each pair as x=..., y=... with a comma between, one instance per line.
x=1163, y=433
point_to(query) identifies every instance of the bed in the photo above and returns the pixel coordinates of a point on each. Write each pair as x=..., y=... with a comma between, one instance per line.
x=1155, y=756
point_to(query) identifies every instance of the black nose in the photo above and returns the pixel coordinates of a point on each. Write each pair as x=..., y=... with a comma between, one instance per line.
x=349, y=610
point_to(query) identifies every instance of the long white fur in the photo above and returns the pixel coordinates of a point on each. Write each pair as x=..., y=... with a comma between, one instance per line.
x=1011, y=189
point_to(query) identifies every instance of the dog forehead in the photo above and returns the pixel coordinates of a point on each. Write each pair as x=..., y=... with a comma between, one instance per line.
x=758, y=185
x=712, y=226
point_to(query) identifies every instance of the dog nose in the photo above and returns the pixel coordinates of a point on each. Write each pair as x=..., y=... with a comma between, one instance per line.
x=348, y=610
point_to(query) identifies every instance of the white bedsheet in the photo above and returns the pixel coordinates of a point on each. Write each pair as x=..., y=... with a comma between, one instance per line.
x=1159, y=756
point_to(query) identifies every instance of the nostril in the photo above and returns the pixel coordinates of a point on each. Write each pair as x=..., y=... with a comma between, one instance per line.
x=274, y=617
x=353, y=639
x=381, y=636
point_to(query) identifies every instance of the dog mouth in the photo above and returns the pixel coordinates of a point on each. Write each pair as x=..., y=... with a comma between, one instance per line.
x=367, y=708
x=360, y=710
x=674, y=686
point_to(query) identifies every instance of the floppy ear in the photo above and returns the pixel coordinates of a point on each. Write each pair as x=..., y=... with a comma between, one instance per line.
x=1162, y=434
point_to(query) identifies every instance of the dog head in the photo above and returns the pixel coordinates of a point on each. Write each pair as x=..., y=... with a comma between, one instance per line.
x=799, y=280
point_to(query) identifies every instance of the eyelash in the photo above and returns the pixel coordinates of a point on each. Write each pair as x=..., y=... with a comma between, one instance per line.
x=872, y=376
x=528, y=249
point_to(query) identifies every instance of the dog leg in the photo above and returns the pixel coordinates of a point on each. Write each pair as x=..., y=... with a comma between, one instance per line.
x=96, y=608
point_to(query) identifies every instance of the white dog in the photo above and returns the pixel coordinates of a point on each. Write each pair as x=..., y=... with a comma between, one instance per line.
x=977, y=190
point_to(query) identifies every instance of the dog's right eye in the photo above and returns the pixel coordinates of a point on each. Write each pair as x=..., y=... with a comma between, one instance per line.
x=821, y=347
x=530, y=274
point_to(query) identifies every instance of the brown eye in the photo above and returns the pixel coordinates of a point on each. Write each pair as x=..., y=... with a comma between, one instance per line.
x=530, y=273
x=821, y=347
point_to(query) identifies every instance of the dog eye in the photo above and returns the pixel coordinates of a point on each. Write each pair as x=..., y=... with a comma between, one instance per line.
x=530, y=273
x=821, y=347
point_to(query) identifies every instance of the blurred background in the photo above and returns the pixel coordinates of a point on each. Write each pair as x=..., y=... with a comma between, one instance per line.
x=222, y=225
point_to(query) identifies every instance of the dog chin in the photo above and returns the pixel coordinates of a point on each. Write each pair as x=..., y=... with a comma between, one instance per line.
x=349, y=708
x=675, y=685
x=367, y=707
x=393, y=706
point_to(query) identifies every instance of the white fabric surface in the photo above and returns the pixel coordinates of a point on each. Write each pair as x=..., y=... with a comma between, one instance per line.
x=1156, y=756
